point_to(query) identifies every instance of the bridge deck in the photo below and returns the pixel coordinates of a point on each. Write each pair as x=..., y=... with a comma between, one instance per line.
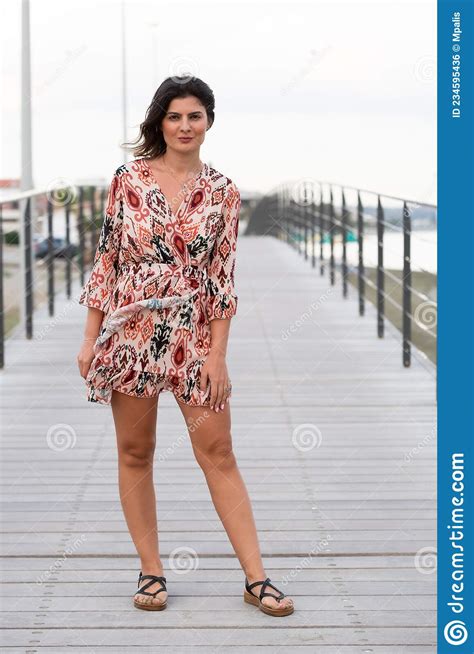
x=334, y=438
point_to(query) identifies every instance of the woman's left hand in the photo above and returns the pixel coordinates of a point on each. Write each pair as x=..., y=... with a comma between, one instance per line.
x=214, y=371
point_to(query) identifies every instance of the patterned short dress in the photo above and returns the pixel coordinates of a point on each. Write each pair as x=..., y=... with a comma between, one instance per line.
x=160, y=279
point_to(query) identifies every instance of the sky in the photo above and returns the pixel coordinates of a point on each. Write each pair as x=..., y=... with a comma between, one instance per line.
x=332, y=91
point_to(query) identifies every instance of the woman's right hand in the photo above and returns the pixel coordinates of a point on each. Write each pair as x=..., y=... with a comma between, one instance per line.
x=85, y=356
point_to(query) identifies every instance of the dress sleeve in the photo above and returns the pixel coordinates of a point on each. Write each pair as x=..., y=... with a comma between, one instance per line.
x=221, y=297
x=97, y=291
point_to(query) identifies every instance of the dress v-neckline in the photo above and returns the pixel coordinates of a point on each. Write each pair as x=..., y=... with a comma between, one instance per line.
x=155, y=181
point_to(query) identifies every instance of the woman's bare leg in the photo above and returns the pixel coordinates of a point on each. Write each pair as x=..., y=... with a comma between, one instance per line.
x=212, y=445
x=135, y=427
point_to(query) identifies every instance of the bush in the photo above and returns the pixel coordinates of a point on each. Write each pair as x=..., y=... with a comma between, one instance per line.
x=12, y=237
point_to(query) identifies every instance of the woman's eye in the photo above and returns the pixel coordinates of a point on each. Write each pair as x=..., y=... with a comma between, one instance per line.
x=196, y=117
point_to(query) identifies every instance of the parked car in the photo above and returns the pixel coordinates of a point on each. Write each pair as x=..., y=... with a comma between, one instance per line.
x=60, y=247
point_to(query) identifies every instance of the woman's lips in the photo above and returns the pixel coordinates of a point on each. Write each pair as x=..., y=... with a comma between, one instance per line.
x=185, y=138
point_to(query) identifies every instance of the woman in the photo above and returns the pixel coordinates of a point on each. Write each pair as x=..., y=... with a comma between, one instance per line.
x=161, y=297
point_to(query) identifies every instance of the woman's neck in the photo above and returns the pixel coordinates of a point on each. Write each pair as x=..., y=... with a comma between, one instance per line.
x=180, y=163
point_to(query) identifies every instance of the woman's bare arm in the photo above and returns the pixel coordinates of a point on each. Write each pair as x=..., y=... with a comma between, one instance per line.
x=91, y=332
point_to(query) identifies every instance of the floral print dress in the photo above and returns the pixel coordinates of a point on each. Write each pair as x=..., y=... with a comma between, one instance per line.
x=160, y=278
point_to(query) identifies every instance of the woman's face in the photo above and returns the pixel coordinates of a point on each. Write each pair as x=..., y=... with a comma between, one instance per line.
x=184, y=126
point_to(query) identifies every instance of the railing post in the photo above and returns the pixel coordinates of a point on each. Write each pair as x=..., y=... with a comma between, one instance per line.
x=95, y=232
x=80, y=229
x=102, y=202
x=305, y=218
x=380, y=272
x=289, y=221
x=28, y=271
x=288, y=218
x=68, y=243
x=360, y=240
x=313, y=229
x=278, y=214
x=321, y=232
x=344, y=251
x=406, y=286
x=284, y=221
x=50, y=259
x=300, y=222
x=332, y=266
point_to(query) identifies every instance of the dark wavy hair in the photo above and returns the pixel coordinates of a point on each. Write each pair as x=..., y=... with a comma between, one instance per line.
x=150, y=142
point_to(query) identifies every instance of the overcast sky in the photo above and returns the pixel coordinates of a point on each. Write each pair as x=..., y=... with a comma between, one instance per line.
x=337, y=91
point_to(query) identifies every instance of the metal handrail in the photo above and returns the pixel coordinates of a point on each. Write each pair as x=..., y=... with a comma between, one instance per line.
x=300, y=221
x=88, y=236
x=377, y=193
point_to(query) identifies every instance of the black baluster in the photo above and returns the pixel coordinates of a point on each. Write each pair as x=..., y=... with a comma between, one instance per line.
x=28, y=270
x=313, y=229
x=50, y=259
x=332, y=265
x=344, y=250
x=305, y=219
x=321, y=231
x=380, y=271
x=406, y=286
x=360, y=239
x=80, y=229
x=68, y=243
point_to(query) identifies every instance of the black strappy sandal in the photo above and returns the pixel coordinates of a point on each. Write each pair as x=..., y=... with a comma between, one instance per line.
x=251, y=598
x=143, y=591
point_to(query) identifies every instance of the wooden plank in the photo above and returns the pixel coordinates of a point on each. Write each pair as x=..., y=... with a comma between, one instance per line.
x=284, y=636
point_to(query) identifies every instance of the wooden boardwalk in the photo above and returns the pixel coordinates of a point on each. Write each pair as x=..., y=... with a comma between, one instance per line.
x=336, y=442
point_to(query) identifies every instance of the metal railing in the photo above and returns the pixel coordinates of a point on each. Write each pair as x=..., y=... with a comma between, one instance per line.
x=86, y=204
x=306, y=215
x=290, y=212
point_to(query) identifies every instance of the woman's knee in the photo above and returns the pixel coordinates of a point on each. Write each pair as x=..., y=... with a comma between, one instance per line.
x=137, y=454
x=216, y=453
x=135, y=427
